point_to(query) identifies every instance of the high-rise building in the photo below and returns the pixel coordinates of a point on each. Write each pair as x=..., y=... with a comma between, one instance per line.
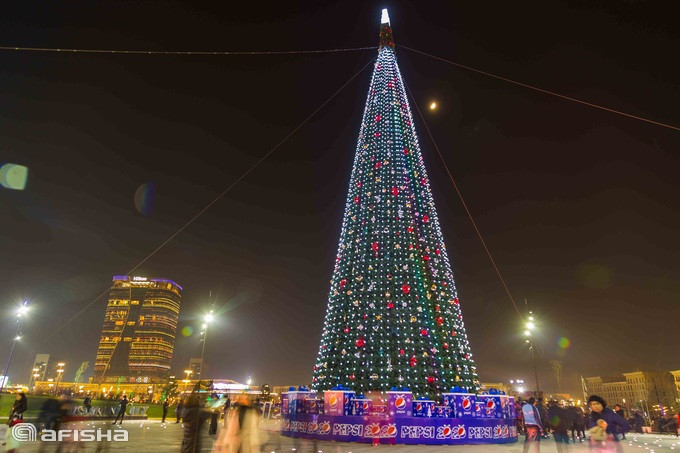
x=139, y=330
x=40, y=367
x=196, y=369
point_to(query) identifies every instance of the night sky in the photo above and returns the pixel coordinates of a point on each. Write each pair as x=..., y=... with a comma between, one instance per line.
x=578, y=206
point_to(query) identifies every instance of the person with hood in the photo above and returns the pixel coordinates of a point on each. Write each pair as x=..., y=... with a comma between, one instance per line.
x=604, y=424
x=532, y=424
x=619, y=411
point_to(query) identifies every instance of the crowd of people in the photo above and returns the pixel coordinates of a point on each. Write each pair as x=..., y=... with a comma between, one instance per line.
x=569, y=424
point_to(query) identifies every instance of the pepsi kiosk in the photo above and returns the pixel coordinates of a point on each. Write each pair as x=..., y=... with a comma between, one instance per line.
x=459, y=418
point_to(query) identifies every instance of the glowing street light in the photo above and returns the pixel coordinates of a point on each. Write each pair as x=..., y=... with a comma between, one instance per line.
x=21, y=311
x=433, y=105
x=529, y=326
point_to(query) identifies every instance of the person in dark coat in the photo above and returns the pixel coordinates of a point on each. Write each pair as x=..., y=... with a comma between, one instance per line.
x=193, y=421
x=179, y=411
x=214, y=416
x=122, y=407
x=557, y=419
x=87, y=402
x=637, y=422
x=166, y=406
x=579, y=425
x=543, y=412
x=603, y=417
x=618, y=410
x=19, y=407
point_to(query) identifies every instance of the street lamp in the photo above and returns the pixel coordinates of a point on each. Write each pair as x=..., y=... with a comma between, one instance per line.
x=60, y=371
x=530, y=326
x=21, y=312
x=207, y=319
x=186, y=381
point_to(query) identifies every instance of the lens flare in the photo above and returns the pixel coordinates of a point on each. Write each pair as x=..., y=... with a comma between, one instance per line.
x=13, y=176
x=145, y=196
x=187, y=331
x=563, y=342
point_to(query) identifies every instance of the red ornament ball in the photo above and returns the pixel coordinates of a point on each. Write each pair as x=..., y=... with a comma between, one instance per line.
x=426, y=258
x=430, y=380
x=360, y=342
x=390, y=305
x=402, y=352
x=395, y=191
x=413, y=362
x=445, y=346
x=423, y=332
x=343, y=283
x=426, y=218
x=405, y=289
x=356, y=200
x=346, y=329
x=352, y=377
x=439, y=320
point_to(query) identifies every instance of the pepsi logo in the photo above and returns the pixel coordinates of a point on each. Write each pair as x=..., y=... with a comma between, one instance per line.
x=375, y=429
x=466, y=403
x=505, y=430
x=312, y=404
x=391, y=430
x=447, y=431
x=497, y=431
x=461, y=431
x=313, y=426
x=346, y=400
x=490, y=404
x=478, y=408
x=400, y=402
x=326, y=427
x=333, y=401
x=419, y=407
x=365, y=405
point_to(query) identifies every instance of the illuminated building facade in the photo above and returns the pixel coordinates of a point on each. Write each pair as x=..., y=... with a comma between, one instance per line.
x=139, y=330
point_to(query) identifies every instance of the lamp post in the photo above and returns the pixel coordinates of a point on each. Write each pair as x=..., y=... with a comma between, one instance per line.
x=186, y=381
x=529, y=339
x=60, y=371
x=22, y=310
x=207, y=319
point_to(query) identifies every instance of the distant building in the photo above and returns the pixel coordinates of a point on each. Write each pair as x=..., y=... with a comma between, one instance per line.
x=676, y=381
x=51, y=370
x=195, y=367
x=40, y=367
x=138, y=336
x=646, y=390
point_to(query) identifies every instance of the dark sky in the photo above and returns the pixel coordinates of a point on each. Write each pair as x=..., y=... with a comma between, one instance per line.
x=578, y=206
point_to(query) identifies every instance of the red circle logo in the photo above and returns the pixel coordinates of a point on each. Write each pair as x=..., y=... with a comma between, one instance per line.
x=461, y=431
x=447, y=431
x=375, y=429
x=392, y=430
x=400, y=402
x=333, y=401
x=466, y=403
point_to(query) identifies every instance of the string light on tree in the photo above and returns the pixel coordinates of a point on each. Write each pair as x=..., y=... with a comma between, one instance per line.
x=393, y=315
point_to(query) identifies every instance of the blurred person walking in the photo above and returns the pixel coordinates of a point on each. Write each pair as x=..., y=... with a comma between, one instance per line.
x=558, y=420
x=241, y=432
x=179, y=411
x=532, y=424
x=193, y=419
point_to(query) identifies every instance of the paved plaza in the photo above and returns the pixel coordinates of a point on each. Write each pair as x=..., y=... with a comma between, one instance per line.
x=152, y=436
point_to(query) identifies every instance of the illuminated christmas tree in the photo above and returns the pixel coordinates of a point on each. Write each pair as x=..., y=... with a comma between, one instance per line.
x=393, y=316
